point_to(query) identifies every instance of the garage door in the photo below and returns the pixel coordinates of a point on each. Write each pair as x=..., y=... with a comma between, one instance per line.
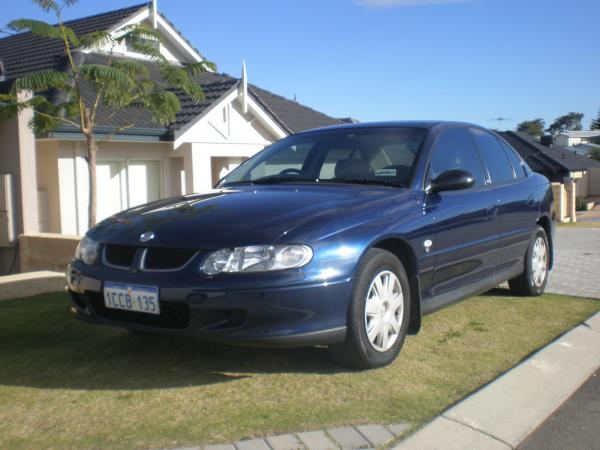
x=125, y=184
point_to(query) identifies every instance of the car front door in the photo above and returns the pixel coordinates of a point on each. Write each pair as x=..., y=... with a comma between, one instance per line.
x=466, y=221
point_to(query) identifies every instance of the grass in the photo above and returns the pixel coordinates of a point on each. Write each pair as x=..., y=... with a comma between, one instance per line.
x=578, y=224
x=68, y=384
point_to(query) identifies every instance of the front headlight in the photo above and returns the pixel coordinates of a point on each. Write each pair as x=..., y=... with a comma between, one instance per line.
x=257, y=258
x=87, y=250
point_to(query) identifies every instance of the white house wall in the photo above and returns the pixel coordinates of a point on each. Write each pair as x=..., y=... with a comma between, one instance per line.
x=48, y=186
x=73, y=194
x=224, y=132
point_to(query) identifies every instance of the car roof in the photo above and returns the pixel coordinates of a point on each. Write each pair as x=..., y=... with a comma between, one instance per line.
x=427, y=124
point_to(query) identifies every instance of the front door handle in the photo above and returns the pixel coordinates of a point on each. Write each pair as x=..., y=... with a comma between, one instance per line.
x=493, y=210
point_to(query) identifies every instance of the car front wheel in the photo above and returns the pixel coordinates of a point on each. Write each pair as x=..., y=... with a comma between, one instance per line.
x=378, y=313
x=532, y=281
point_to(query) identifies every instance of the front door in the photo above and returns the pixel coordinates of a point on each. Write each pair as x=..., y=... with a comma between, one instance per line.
x=466, y=222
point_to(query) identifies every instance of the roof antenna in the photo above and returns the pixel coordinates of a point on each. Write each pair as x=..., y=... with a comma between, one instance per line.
x=500, y=120
x=244, y=86
x=154, y=14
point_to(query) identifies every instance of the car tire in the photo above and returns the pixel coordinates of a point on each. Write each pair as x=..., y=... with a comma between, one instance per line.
x=532, y=281
x=376, y=324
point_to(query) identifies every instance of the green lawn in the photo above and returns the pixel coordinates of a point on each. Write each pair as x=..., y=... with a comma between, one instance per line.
x=68, y=384
x=578, y=224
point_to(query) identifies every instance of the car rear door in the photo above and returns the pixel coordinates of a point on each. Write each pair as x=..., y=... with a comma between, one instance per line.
x=466, y=221
x=519, y=208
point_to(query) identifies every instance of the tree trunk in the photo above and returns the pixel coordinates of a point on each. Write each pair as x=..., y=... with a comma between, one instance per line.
x=90, y=143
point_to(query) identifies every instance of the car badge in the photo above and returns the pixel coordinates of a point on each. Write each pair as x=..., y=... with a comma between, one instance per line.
x=147, y=236
x=427, y=244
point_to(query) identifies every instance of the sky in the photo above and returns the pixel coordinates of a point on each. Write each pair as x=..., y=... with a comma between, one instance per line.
x=470, y=60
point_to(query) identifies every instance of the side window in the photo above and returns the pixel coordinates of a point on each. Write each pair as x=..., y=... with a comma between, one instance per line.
x=516, y=161
x=454, y=149
x=494, y=156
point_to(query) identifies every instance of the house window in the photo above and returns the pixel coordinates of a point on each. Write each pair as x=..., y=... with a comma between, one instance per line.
x=125, y=184
x=131, y=42
x=2, y=73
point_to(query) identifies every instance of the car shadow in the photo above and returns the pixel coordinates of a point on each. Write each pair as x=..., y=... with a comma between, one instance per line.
x=47, y=348
x=498, y=292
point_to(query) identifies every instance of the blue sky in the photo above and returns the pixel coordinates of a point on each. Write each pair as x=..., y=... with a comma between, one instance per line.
x=398, y=59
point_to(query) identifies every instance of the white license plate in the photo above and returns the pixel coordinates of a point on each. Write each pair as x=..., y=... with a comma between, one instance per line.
x=131, y=297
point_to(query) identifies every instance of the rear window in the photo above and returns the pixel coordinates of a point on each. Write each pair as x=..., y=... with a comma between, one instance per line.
x=515, y=159
x=494, y=157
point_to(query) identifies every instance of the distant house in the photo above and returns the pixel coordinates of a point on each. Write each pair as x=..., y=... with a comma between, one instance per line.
x=559, y=164
x=48, y=174
x=584, y=149
x=571, y=138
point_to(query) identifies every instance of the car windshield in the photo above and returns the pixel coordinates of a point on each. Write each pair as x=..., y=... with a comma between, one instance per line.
x=383, y=156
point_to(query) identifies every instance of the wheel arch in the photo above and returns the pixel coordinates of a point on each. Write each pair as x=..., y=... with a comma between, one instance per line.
x=546, y=223
x=402, y=250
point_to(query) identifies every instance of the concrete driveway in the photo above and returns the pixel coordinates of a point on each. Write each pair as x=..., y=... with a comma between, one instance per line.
x=577, y=262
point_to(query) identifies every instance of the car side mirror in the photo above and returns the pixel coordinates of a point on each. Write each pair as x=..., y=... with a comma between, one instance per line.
x=452, y=180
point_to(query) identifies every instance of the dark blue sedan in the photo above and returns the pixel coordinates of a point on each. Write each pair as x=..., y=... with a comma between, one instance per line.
x=343, y=236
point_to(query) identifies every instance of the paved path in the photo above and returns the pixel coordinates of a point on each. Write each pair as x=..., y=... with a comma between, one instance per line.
x=358, y=437
x=575, y=425
x=589, y=216
x=577, y=262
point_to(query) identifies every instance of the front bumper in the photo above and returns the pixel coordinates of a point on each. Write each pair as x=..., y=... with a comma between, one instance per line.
x=292, y=316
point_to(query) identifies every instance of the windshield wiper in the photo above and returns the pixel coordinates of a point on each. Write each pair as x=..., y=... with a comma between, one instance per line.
x=275, y=180
x=368, y=181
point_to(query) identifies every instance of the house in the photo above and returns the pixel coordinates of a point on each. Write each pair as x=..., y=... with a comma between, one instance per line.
x=584, y=149
x=562, y=167
x=44, y=179
x=571, y=138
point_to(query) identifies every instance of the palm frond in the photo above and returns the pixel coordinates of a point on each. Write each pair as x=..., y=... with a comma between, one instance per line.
x=9, y=106
x=105, y=75
x=163, y=105
x=42, y=81
x=139, y=31
x=36, y=27
x=133, y=69
x=47, y=5
x=44, y=29
x=198, y=68
x=193, y=91
x=95, y=39
x=180, y=79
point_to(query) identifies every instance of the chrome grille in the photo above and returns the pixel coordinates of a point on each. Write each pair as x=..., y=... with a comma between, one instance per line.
x=164, y=259
x=119, y=256
x=150, y=259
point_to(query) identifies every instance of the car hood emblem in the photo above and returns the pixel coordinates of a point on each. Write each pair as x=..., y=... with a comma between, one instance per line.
x=147, y=236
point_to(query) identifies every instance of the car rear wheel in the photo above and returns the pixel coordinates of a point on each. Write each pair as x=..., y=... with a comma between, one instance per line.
x=378, y=314
x=532, y=281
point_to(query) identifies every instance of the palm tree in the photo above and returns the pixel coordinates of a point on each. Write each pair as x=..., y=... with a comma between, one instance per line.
x=117, y=83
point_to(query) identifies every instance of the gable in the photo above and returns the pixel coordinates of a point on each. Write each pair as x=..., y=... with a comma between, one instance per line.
x=174, y=46
x=225, y=122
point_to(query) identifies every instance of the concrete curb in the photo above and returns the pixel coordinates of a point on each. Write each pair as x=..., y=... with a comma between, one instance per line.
x=505, y=412
x=31, y=283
